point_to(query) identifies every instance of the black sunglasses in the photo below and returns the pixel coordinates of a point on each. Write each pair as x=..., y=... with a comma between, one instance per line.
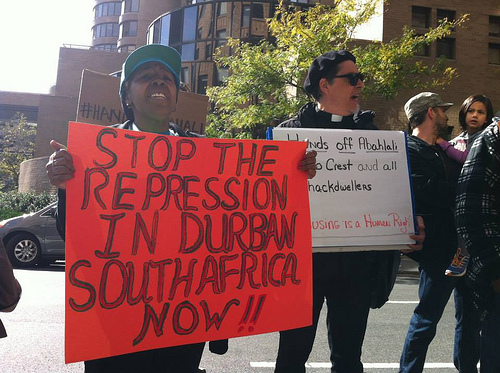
x=353, y=78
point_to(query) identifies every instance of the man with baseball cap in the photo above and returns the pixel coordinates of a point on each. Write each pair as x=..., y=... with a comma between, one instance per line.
x=347, y=280
x=419, y=104
x=434, y=176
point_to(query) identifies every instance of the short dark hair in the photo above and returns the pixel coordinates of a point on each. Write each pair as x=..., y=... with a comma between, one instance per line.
x=467, y=104
x=416, y=120
x=329, y=76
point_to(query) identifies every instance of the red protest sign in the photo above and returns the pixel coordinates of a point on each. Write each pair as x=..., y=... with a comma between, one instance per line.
x=174, y=240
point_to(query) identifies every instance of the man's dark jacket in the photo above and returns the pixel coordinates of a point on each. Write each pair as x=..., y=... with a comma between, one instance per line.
x=434, y=176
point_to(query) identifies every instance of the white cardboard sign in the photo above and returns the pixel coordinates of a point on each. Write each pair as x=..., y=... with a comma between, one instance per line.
x=361, y=196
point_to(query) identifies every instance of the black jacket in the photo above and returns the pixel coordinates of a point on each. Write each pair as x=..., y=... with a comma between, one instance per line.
x=434, y=177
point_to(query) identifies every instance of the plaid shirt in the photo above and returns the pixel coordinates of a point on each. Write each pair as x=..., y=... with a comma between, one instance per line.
x=478, y=213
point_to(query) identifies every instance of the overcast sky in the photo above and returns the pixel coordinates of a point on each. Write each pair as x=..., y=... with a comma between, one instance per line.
x=31, y=32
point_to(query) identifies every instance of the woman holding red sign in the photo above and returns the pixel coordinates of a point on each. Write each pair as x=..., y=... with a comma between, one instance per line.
x=149, y=91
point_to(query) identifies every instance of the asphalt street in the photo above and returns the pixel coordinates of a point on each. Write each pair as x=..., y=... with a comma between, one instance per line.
x=36, y=334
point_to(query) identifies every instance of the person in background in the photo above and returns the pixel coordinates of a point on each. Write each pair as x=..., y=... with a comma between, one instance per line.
x=349, y=281
x=434, y=178
x=475, y=114
x=10, y=289
x=149, y=89
x=478, y=222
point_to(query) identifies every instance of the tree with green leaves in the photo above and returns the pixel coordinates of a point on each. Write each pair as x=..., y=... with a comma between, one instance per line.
x=17, y=145
x=265, y=82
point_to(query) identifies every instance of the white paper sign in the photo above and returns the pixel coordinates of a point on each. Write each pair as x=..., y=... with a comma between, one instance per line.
x=361, y=195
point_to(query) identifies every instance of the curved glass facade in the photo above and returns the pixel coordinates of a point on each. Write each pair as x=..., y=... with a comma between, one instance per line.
x=197, y=30
x=105, y=30
x=131, y=6
x=108, y=9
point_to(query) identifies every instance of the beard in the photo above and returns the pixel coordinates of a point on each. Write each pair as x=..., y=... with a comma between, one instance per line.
x=443, y=130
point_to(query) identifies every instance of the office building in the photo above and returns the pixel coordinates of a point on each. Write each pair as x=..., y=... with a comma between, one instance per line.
x=196, y=28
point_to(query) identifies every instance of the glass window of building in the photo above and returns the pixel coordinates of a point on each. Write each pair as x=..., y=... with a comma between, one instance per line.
x=131, y=6
x=106, y=47
x=108, y=9
x=185, y=76
x=444, y=14
x=258, y=10
x=208, y=51
x=105, y=30
x=205, y=21
x=245, y=16
x=259, y=25
x=129, y=28
x=189, y=26
x=420, y=16
x=221, y=38
x=221, y=8
x=202, y=84
x=175, y=28
x=446, y=47
x=222, y=74
x=211, y=28
x=425, y=51
x=127, y=48
x=165, y=30
x=494, y=26
x=154, y=34
x=494, y=54
x=112, y=29
x=188, y=52
x=450, y=15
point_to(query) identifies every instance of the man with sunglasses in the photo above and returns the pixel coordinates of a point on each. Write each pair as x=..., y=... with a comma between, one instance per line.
x=347, y=280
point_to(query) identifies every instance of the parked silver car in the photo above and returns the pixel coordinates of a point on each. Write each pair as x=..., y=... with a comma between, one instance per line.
x=32, y=238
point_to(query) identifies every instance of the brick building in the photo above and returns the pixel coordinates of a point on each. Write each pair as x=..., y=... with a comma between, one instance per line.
x=474, y=50
x=196, y=28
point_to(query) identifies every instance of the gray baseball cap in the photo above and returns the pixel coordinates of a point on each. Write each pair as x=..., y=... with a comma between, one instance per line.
x=424, y=101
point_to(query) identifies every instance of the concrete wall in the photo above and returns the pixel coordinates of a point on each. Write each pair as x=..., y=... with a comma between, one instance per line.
x=72, y=61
